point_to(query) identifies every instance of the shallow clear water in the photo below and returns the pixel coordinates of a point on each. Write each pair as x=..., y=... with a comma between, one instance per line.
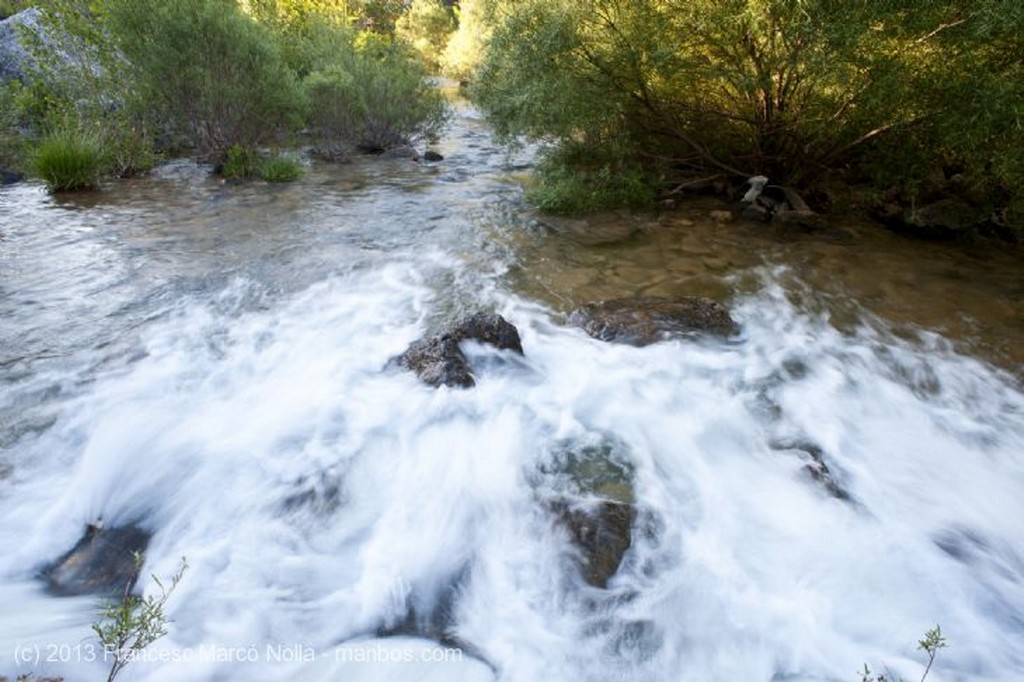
x=210, y=361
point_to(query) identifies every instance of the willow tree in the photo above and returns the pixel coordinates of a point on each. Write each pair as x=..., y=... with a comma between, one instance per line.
x=785, y=88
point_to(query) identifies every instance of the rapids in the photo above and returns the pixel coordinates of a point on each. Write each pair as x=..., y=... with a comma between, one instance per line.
x=210, y=361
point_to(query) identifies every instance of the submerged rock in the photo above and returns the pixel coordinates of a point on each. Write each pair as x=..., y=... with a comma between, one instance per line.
x=643, y=320
x=320, y=494
x=400, y=153
x=439, y=361
x=603, y=532
x=596, y=467
x=589, y=493
x=9, y=177
x=431, y=618
x=814, y=467
x=102, y=562
x=946, y=219
x=431, y=156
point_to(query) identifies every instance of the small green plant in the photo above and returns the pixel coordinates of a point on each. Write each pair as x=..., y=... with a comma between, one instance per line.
x=241, y=163
x=279, y=168
x=932, y=641
x=128, y=626
x=69, y=159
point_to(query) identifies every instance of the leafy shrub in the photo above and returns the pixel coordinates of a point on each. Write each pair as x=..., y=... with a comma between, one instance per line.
x=129, y=146
x=240, y=163
x=70, y=158
x=572, y=180
x=280, y=168
x=467, y=45
x=212, y=73
x=371, y=95
x=773, y=87
x=427, y=25
x=12, y=142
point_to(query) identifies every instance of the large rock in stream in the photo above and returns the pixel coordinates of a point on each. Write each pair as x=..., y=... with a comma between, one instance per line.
x=643, y=320
x=102, y=562
x=595, y=503
x=602, y=530
x=439, y=361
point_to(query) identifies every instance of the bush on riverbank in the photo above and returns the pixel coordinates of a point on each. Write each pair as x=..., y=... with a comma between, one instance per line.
x=369, y=93
x=12, y=142
x=574, y=179
x=70, y=158
x=242, y=163
x=886, y=93
x=215, y=77
x=209, y=76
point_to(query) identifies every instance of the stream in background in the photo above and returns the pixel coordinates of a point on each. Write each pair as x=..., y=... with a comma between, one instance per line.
x=209, y=361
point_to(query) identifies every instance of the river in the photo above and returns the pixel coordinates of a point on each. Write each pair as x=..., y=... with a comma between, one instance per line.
x=209, y=361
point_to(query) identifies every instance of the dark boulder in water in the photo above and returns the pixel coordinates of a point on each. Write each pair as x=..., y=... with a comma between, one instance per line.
x=9, y=177
x=603, y=532
x=643, y=320
x=815, y=467
x=439, y=361
x=102, y=562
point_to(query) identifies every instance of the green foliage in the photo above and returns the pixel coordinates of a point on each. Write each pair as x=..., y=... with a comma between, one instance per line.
x=427, y=25
x=378, y=16
x=467, y=45
x=279, y=168
x=576, y=180
x=211, y=73
x=242, y=163
x=70, y=158
x=128, y=626
x=218, y=75
x=82, y=82
x=369, y=93
x=11, y=7
x=932, y=641
x=783, y=88
x=12, y=141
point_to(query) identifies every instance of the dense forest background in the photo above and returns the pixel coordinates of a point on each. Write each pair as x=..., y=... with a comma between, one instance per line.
x=910, y=102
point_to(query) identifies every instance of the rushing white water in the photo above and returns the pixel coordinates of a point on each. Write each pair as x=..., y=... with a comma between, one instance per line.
x=320, y=495
x=746, y=570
